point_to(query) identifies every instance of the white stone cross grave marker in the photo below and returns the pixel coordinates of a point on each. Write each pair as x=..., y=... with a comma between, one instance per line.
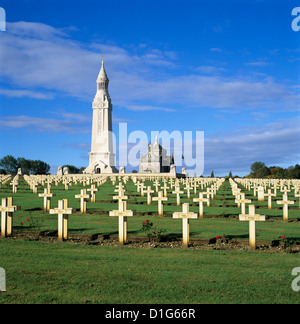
x=156, y=185
x=285, y=202
x=120, y=196
x=201, y=200
x=261, y=193
x=62, y=211
x=119, y=189
x=7, y=209
x=14, y=185
x=93, y=191
x=122, y=213
x=195, y=185
x=208, y=197
x=83, y=196
x=47, y=195
x=67, y=183
x=270, y=195
x=160, y=199
x=34, y=187
x=188, y=188
x=275, y=187
x=149, y=191
x=285, y=190
x=211, y=192
x=142, y=187
x=243, y=201
x=185, y=215
x=165, y=188
x=178, y=192
x=252, y=218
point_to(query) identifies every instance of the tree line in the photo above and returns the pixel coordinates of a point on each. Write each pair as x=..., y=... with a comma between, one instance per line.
x=260, y=170
x=10, y=165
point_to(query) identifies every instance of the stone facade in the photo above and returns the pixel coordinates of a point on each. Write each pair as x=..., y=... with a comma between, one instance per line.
x=156, y=160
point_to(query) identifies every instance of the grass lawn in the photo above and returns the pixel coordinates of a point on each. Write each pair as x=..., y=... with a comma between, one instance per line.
x=68, y=273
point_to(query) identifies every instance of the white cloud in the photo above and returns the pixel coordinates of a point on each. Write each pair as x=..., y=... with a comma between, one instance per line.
x=209, y=69
x=215, y=49
x=41, y=59
x=258, y=63
x=69, y=123
x=275, y=144
x=25, y=93
x=145, y=108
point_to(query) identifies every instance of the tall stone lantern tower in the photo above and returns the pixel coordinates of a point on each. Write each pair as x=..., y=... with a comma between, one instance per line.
x=102, y=157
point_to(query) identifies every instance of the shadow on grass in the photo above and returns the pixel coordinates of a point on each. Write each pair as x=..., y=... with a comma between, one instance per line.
x=34, y=209
x=230, y=237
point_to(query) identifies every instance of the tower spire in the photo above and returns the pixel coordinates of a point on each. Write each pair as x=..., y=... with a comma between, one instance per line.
x=102, y=75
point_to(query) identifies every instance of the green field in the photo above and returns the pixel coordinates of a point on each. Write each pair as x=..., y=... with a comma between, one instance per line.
x=69, y=273
x=39, y=272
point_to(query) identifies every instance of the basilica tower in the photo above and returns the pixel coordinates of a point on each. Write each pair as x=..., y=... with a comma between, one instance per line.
x=102, y=158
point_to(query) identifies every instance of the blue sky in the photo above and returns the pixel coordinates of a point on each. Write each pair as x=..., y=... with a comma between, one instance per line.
x=228, y=68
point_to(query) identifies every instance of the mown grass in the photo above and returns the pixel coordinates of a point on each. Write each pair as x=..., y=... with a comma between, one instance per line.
x=68, y=273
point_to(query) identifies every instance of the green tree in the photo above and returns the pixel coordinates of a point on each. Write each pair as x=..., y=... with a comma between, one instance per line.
x=40, y=167
x=263, y=172
x=25, y=165
x=295, y=172
x=9, y=164
x=72, y=169
x=230, y=174
x=256, y=166
x=212, y=174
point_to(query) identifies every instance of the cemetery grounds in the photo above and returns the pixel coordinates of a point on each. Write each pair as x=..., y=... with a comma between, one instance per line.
x=92, y=267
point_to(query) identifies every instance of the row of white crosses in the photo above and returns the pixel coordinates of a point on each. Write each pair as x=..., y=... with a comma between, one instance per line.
x=4, y=178
x=162, y=196
x=123, y=213
x=283, y=187
x=240, y=198
x=63, y=211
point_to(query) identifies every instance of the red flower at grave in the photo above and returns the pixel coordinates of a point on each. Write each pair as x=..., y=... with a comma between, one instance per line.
x=283, y=237
x=144, y=223
x=22, y=223
x=218, y=237
x=28, y=220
